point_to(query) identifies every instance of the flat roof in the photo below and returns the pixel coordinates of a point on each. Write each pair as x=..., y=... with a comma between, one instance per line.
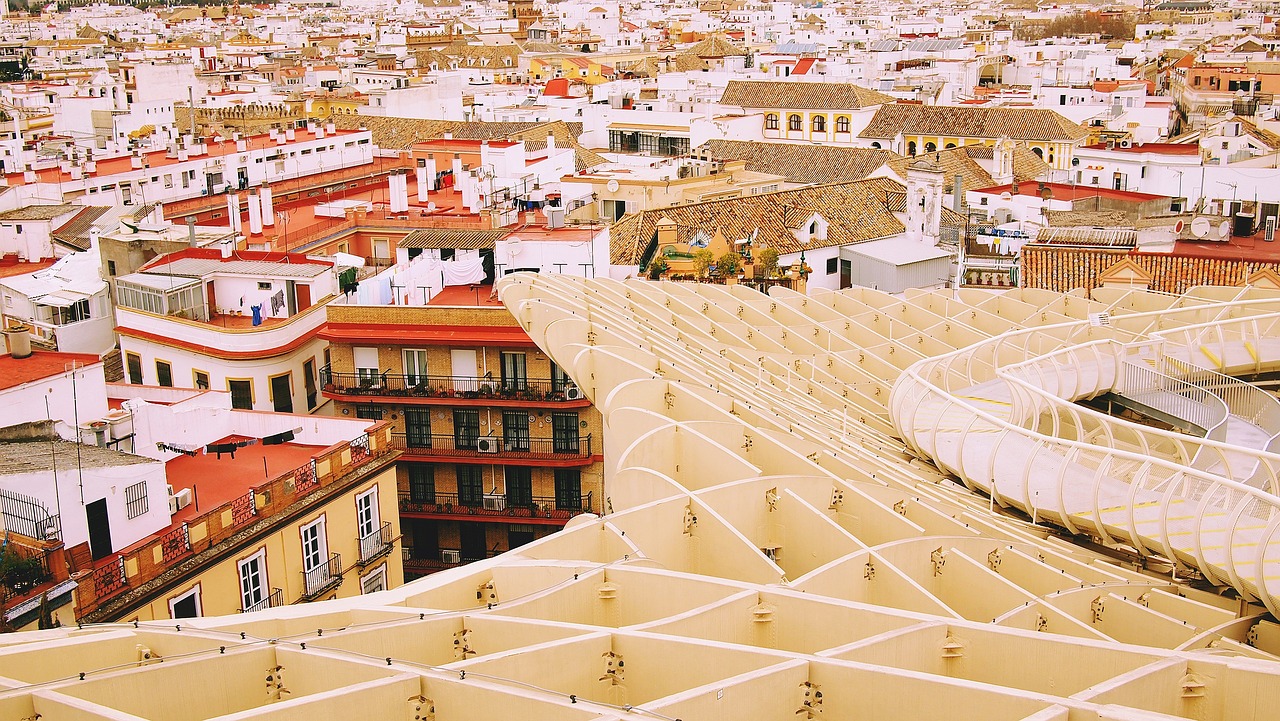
x=39, y=365
x=1062, y=191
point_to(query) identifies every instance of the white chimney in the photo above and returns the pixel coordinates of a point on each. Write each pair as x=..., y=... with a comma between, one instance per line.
x=551, y=144
x=135, y=161
x=319, y=133
x=426, y=179
x=255, y=214
x=233, y=212
x=242, y=146
x=289, y=134
x=228, y=246
x=268, y=206
x=330, y=128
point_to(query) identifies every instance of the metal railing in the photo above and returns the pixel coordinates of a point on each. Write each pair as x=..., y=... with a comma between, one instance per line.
x=29, y=517
x=481, y=447
x=506, y=506
x=1173, y=397
x=323, y=577
x=271, y=600
x=399, y=385
x=375, y=543
x=442, y=559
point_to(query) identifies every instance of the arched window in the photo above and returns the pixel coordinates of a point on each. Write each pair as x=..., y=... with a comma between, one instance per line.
x=950, y=145
x=911, y=148
x=842, y=124
x=1039, y=153
x=819, y=123
x=876, y=146
x=1075, y=162
x=930, y=148
x=794, y=123
x=771, y=121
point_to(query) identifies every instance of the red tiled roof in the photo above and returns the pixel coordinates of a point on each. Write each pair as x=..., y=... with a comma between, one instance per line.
x=39, y=365
x=1062, y=191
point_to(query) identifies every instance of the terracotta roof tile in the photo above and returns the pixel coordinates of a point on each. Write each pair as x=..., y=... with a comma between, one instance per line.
x=802, y=163
x=800, y=95
x=966, y=121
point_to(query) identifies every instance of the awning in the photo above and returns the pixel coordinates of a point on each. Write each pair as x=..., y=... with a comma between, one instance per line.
x=61, y=299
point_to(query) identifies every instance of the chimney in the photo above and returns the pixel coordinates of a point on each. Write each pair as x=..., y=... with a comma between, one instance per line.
x=94, y=233
x=191, y=231
x=551, y=144
x=228, y=246
x=457, y=168
x=289, y=134
x=233, y=212
x=268, y=206
x=957, y=195
x=667, y=232
x=255, y=214
x=426, y=178
x=19, y=338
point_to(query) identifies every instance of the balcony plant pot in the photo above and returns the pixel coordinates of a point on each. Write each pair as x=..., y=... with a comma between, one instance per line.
x=328, y=387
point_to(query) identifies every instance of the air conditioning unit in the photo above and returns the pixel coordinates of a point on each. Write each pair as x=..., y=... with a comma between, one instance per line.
x=1126, y=143
x=573, y=393
x=184, y=498
x=173, y=505
x=449, y=555
x=1269, y=231
x=495, y=503
x=487, y=444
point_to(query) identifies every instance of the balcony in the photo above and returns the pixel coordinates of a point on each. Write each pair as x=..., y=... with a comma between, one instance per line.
x=497, y=508
x=450, y=390
x=548, y=452
x=443, y=559
x=271, y=600
x=375, y=545
x=322, y=578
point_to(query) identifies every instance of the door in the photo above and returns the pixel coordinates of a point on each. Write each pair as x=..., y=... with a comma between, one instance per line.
x=211, y=300
x=426, y=539
x=313, y=546
x=463, y=369
x=417, y=427
x=519, y=534
x=564, y=433
x=309, y=382
x=515, y=372
x=303, y=293
x=515, y=431
x=519, y=482
x=282, y=394
x=99, y=529
x=466, y=428
x=252, y=583
x=474, y=546
x=367, y=513
x=291, y=297
x=470, y=485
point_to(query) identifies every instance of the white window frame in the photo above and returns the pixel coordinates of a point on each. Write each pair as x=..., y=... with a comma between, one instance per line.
x=322, y=544
x=259, y=558
x=369, y=497
x=193, y=591
x=381, y=570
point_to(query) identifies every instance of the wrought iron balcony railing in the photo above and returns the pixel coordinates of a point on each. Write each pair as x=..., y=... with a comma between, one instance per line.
x=388, y=384
x=507, y=506
x=375, y=544
x=271, y=600
x=323, y=577
x=475, y=446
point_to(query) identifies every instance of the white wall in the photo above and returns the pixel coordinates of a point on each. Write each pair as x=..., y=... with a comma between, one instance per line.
x=69, y=500
x=88, y=399
x=184, y=362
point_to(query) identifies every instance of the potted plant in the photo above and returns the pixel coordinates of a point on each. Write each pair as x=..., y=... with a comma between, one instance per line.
x=727, y=266
x=657, y=268
x=702, y=262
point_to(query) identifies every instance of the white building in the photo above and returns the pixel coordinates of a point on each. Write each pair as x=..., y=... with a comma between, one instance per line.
x=243, y=322
x=67, y=305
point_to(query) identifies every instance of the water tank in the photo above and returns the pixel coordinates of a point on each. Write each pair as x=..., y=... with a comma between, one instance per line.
x=1243, y=226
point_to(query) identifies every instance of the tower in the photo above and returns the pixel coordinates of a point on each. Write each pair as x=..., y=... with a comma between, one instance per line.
x=925, y=183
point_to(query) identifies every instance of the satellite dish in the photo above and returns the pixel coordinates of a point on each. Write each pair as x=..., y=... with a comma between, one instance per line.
x=431, y=207
x=1224, y=230
x=612, y=186
x=513, y=247
x=1200, y=227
